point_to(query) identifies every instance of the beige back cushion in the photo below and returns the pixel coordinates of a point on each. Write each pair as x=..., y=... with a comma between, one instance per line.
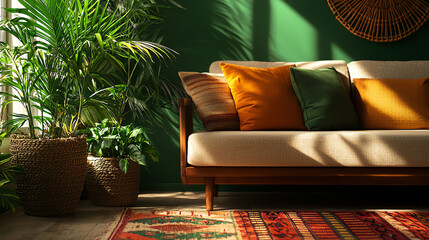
x=339, y=65
x=389, y=69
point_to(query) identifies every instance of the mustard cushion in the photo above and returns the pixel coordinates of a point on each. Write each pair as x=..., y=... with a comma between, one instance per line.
x=264, y=97
x=392, y=103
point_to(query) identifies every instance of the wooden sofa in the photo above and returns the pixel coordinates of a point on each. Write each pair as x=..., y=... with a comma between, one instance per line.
x=212, y=175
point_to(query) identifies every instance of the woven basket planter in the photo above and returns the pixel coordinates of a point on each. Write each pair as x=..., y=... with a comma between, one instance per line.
x=54, y=174
x=108, y=186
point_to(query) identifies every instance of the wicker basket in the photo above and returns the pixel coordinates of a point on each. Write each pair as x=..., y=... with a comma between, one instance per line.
x=54, y=174
x=108, y=186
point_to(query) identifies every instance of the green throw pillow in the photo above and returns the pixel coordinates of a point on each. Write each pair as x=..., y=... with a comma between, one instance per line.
x=324, y=101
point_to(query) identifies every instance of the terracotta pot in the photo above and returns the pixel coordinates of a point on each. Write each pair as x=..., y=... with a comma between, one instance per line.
x=108, y=186
x=54, y=174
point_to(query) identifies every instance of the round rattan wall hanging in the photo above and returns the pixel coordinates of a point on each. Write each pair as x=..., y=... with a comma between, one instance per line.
x=381, y=20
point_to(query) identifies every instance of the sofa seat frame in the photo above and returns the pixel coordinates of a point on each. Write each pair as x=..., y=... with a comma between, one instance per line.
x=211, y=177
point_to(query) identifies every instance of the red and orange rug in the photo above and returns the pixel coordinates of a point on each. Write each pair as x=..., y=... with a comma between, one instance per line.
x=138, y=224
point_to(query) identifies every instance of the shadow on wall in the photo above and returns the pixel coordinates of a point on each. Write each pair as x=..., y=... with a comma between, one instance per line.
x=218, y=30
x=274, y=30
x=231, y=28
x=291, y=30
x=330, y=32
x=261, y=27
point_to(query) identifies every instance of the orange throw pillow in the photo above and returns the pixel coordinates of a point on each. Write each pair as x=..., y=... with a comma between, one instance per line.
x=264, y=97
x=392, y=103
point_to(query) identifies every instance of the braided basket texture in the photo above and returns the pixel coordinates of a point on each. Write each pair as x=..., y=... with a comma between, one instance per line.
x=381, y=20
x=54, y=174
x=108, y=186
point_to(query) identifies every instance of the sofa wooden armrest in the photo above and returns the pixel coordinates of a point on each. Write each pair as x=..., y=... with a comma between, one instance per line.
x=186, y=128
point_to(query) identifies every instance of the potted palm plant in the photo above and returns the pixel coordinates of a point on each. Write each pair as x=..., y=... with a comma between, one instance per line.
x=54, y=168
x=71, y=54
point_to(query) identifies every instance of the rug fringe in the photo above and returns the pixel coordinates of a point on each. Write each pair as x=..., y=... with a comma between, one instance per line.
x=116, y=219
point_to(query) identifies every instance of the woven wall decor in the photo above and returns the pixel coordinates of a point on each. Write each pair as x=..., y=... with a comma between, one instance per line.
x=381, y=20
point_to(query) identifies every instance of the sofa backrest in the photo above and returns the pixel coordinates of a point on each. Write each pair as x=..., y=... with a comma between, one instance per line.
x=339, y=65
x=388, y=69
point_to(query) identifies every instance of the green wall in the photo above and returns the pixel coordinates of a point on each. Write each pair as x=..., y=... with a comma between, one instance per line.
x=265, y=30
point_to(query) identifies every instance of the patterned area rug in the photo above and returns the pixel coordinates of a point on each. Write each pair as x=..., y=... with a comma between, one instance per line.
x=137, y=224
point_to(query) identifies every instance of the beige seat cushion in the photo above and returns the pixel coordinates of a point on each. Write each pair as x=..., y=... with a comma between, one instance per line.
x=374, y=148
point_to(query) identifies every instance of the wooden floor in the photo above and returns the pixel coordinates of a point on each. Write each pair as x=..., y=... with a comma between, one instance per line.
x=89, y=221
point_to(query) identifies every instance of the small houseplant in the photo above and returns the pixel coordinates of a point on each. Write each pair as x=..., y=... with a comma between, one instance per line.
x=71, y=54
x=113, y=167
x=8, y=197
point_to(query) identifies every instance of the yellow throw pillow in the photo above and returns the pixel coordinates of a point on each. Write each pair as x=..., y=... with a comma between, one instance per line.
x=392, y=103
x=264, y=97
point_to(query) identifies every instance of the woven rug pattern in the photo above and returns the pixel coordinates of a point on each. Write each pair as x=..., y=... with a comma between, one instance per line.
x=138, y=224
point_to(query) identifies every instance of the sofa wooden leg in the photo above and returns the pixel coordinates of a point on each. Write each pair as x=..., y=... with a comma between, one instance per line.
x=210, y=186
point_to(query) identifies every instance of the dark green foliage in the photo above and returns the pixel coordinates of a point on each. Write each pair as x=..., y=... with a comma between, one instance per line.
x=8, y=197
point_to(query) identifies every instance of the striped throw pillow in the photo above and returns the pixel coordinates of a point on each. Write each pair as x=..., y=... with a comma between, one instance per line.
x=213, y=100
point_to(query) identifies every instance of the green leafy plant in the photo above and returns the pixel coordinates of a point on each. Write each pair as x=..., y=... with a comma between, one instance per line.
x=146, y=95
x=72, y=56
x=8, y=197
x=18, y=74
x=109, y=139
